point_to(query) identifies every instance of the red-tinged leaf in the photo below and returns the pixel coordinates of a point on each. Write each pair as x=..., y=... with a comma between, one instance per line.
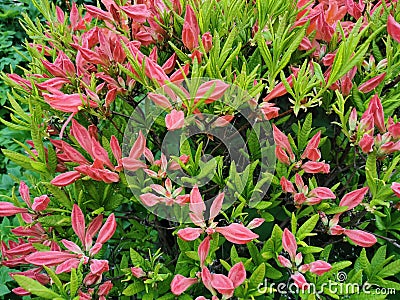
x=372, y=83
x=160, y=100
x=393, y=28
x=175, y=120
x=78, y=223
x=237, y=274
x=396, y=188
x=138, y=12
x=49, y=258
x=314, y=167
x=71, y=246
x=196, y=204
x=180, y=284
x=353, y=198
x=237, y=233
x=203, y=250
x=98, y=266
x=138, y=147
x=323, y=193
x=189, y=234
x=217, y=87
x=216, y=206
x=287, y=186
x=320, y=267
x=115, y=148
x=289, y=243
x=67, y=265
x=81, y=134
x=300, y=281
x=361, y=238
x=190, y=30
x=65, y=179
x=7, y=209
x=222, y=284
x=92, y=229
x=108, y=229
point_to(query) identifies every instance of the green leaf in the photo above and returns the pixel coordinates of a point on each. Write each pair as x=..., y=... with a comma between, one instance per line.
x=136, y=258
x=35, y=287
x=371, y=172
x=74, y=284
x=134, y=288
x=307, y=227
x=258, y=276
x=58, y=195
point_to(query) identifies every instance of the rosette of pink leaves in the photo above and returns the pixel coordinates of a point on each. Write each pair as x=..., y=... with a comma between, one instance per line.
x=87, y=139
x=302, y=195
x=387, y=140
x=235, y=233
x=359, y=237
x=66, y=260
x=220, y=283
x=318, y=267
x=166, y=195
x=284, y=153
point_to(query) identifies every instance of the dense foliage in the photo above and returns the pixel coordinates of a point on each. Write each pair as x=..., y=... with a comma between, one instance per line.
x=205, y=150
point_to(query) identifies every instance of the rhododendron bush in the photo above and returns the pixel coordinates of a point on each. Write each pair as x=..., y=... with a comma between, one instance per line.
x=206, y=150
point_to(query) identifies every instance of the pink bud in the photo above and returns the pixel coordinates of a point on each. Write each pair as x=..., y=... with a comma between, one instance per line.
x=160, y=100
x=108, y=229
x=322, y=193
x=289, y=243
x=222, y=284
x=394, y=130
x=315, y=167
x=105, y=288
x=207, y=41
x=336, y=230
x=396, y=188
x=320, y=267
x=366, y=143
x=24, y=192
x=255, y=223
x=269, y=110
x=311, y=152
x=216, y=206
x=196, y=205
x=298, y=259
x=284, y=261
x=78, y=223
x=287, y=186
x=40, y=203
x=353, y=119
x=282, y=141
x=137, y=272
x=191, y=30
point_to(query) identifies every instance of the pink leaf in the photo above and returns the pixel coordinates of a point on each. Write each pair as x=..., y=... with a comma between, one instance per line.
x=360, y=238
x=78, y=223
x=353, y=198
x=49, y=258
x=237, y=233
x=237, y=274
x=7, y=209
x=189, y=234
x=108, y=229
x=216, y=206
x=180, y=284
x=393, y=28
x=66, y=178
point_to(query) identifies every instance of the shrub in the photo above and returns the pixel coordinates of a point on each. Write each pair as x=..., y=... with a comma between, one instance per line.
x=187, y=150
